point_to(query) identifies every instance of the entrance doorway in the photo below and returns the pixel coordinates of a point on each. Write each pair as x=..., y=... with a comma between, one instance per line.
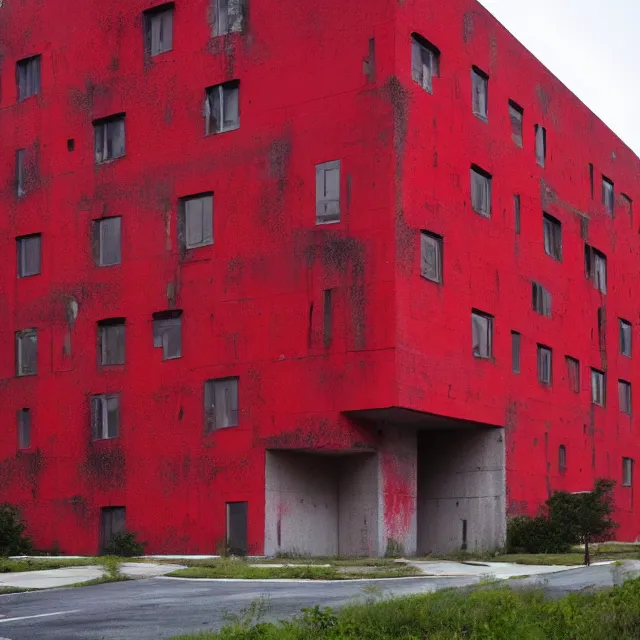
x=237, y=525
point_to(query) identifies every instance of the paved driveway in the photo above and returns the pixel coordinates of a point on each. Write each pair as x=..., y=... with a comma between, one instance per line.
x=158, y=608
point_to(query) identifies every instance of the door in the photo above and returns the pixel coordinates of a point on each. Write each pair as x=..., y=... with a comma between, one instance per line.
x=112, y=522
x=237, y=528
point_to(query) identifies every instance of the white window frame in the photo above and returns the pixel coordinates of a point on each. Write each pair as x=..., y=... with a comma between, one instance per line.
x=516, y=117
x=30, y=69
x=481, y=189
x=206, y=213
x=541, y=299
x=626, y=337
x=102, y=225
x=624, y=396
x=161, y=328
x=229, y=24
x=21, y=339
x=219, y=89
x=627, y=472
x=545, y=355
x=157, y=21
x=425, y=62
x=100, y=405
x=479, y=93
x=327, y=202
x=231, y=387
x=608, y=194
x=552, y=230
x=101, y=128
x=477, y=320
x=431, y=240
x=541, y=145
x=23, y=242
x=598, y=388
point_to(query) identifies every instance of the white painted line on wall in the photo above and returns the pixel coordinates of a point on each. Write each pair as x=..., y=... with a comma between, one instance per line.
x=39, y=615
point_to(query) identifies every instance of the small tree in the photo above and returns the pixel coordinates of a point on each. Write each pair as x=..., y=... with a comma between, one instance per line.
x=586, y=517
x=13, y=539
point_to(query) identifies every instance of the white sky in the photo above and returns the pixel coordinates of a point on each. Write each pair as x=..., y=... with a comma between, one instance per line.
x=592, y=46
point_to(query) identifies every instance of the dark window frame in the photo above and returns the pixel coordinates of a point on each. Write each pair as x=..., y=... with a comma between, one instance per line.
x=542, y=351
x=28, y=77
x=438, y=242
x=103, y=132
x=429, y=57
x=475, y=348
x=22, y=258
x=552, y=232
x=516, y=118
x=213, y=387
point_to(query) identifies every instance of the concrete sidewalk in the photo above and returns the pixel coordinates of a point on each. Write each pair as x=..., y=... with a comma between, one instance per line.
x=495, y=570
x=49, y=578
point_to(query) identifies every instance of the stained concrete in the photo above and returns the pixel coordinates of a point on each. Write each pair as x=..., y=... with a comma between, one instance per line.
x=461, y=476
x=320, y=505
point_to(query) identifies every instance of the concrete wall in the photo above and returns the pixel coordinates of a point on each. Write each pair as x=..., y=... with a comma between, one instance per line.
x=358, y=512
x=461, y=476
x=301, y=510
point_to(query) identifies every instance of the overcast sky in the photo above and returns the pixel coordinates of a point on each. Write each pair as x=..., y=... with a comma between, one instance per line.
x=592, y=46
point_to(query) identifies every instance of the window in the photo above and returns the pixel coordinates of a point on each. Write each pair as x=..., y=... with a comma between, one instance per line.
x=221, y=107
x=627, y=203
x=105, y=416
x=431, y=256
x=480, y=92
x=516, y=210
x=328, y=192
x=109, y=138
x=229, y=16
x=591, y=179
x=220, y=404
x=196, y=221
x=624, y=396
x=20, y=173
x=111, y=341
x=625, y=338
x=425, y=62
x=607, y=194
x=107, y=241
x=515, y=352
x=158, y=29
x=28, y=77
x=167, y=333
x=27, y=352
x=541, y=299
x=516, y=114
x=28, y=255
x=627, y=472
x=595, y=264
x=562, y=458
x=552, y=236
x=573, y=373
x=598, y=391
x=481, y=191
x=24, y=429
x=482, y=334
x=541, y=145
x=544, y=365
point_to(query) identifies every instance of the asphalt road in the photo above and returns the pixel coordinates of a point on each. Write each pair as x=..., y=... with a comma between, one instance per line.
x=159, y=608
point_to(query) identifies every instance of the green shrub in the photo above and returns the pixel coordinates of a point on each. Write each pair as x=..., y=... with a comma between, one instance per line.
x=570, y=518
x=125, y=545
x=537, y=535
x=13, y=539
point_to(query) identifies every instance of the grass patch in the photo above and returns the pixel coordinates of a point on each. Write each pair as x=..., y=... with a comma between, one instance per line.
x=111, y=567
x=40, y=564
x=7, y=590
x=225, y=568
x=483, y=614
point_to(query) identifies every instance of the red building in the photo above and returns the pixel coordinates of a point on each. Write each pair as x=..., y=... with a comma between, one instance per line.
x=310, y=278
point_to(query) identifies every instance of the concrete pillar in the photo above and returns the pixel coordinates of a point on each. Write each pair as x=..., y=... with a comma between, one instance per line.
x=397, y=498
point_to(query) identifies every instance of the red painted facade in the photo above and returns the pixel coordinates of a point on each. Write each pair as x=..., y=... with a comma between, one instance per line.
x=313, y=88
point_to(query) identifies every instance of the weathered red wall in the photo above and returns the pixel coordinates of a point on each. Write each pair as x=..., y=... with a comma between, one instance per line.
x=253, y=301
x=247, y=300
x=488, y=267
